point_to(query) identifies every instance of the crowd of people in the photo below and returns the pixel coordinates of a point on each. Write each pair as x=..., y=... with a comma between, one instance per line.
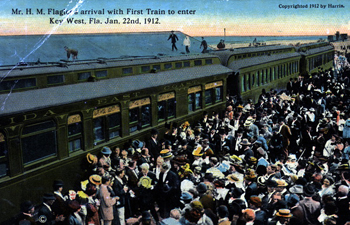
x=283, y=160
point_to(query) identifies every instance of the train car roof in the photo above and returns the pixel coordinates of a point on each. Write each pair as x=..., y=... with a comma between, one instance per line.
x=50, y=48
x=226, y=54
x=248, y=62
x=60, y=95
x=102, y=63
x=317, y=50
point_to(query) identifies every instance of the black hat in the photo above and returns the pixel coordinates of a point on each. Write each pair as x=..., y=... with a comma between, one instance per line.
x=271, y=183
x=154, y=131
x=49, y=196
x=58, y=183
x=236, y=192
x=202, y=188
x=26, y=206
x=146, y=215
x=186, y=197
x=222, y=211
x=309, y=190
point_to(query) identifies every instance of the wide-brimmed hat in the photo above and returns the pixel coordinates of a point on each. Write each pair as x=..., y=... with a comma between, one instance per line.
x=281, y=183
x=197, y=151
x=137, y=144
x=245, y=142
x=106, y=150
x=165, y=154
x=186, y=196
x=146, y=182
x=232, y=177
x=284, y=213
x=91, y=158
x=251, y=175
x=95, y=179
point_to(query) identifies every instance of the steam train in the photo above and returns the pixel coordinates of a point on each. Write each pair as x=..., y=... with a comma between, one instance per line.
x=53, y=114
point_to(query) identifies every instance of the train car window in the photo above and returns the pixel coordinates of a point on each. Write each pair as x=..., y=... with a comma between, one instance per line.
x=107, y=123
x=17, y=84
x=208, y=61
x=84, y=76
x=258, y=78
x=3, y=156
x=244, y=56
x=248, y=82
x=139, y=114
x=166, y=106
x=99, y=132
x=249, y=55
x=39, y=141
x=156, y=67
x=270, y=74
x=187, y=64
x=128, y=70
x=208, y=97
x=56, y=79
x=101, y=73
x=178, y=65
x=198, y=62
x=168, y=66
x=239, y=56
x=218, y=94
x=75, y=131
x=253, y=79
x=145, y=69
x=194, y=98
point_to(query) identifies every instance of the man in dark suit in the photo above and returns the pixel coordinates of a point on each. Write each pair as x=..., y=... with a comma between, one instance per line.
x=121, y=190
x=168, y=190
x=342, y=203
x=45, y=214
x=153, y=145
x=173, y=38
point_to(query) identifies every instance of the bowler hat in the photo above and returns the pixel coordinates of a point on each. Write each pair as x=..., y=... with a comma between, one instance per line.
x=186, y=196
x=49, y=196
x=202, y=188
x=26, y=206
x=309, y=190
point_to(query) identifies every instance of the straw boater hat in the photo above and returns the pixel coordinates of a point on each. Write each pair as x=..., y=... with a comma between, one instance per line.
x=92, y=159
x=165, y=154
x=95, y=179
x=232, y=178
x=284, y=213
x=251, y=175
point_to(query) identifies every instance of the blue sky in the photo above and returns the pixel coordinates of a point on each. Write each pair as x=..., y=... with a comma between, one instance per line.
x=239, y=17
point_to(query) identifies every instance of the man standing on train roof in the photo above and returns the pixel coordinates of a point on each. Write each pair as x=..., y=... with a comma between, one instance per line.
x=204, y=44
x=71, y=51
x=173, y=38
